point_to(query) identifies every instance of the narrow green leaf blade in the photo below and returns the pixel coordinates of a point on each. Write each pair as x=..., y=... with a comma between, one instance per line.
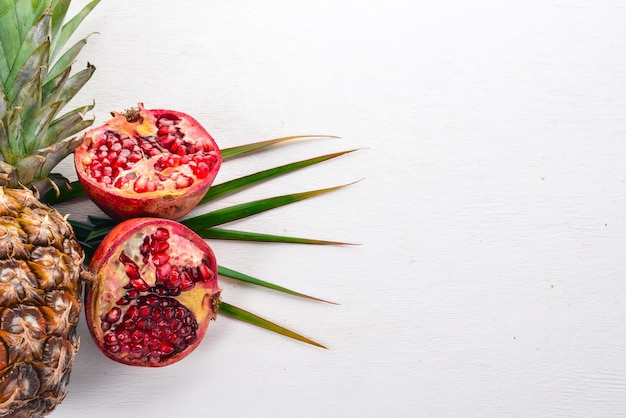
x=8, y=29
x=224, y=271
x=229, y=234
x=27, y=11
x=59, y=11
x=229, y=153
x=69, y=28
x=67, y=125
x=101, y=220
x=14, y=134
x=81, y=229
x=245, y=316
x=33, y=53
x=21, y=75
x=29, y=97
x=75, y=83
x=67, y=59
x=52, y=89
x=99, y=232
x=5, y=146
x=37, y=125
x=238, y=184
x=4, y=103
x=74, y=191
x=4, y=67
x=244, y=210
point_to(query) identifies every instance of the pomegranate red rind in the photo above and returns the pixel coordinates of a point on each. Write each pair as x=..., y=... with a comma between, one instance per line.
x=147, y=163
x=154, y=292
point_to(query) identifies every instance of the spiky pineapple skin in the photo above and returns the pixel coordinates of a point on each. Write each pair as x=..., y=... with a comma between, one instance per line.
x=40, y=291
x=40, y=258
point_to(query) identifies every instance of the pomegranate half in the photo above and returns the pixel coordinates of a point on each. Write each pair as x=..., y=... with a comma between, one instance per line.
x=154, y=292
x=155, y=163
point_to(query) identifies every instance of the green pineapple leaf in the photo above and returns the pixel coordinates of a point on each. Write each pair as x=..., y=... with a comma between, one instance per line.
x=8, y=30
x=5, y=147
x=68, y=29
x=34, y=52
x=41, y=120
x=37, y=61
x=34, y=140
x=25, y=12
x=52, y=88
x=66, y=60
x=59, y=11
x=75, y=83
x=67, y=125
x=29, y=97
x=14, y=134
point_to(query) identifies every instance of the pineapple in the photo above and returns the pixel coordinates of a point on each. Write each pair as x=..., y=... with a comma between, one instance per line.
x=40, y=259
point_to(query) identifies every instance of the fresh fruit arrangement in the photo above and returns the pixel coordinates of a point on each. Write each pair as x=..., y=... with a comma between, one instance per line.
x=151, y=286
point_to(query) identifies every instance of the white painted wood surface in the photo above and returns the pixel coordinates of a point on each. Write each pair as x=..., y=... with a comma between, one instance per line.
x=491, y=279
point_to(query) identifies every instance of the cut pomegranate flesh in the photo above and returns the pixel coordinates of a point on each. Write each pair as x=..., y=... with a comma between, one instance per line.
x=147, y=163
x=154, y=294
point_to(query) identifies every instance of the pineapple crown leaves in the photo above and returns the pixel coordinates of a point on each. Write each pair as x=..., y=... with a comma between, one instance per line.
x=36, y=82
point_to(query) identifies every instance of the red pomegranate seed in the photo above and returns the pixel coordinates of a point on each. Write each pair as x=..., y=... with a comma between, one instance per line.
x=144, y=311
x=123, y=336
x=160, y=259
x=156, y=313
x=133, y=312
x=166, y=348
x=132, y=270
x=183, y=181
x=114, y=315
x=124, y=300
x=204, y=272
x=114, y=349
x=202, y=170
x=110, y=339
x=186, y=282
x=141, y=184
x=163, y=272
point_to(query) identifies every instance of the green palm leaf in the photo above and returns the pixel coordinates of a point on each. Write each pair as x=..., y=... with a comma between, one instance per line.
x=238, y=184
x=229, y=234
x=224, y=271
x=244, y=210
x=256, y=320
x=230, y=153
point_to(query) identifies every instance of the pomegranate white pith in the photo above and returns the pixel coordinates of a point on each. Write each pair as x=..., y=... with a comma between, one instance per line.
x=154, y=294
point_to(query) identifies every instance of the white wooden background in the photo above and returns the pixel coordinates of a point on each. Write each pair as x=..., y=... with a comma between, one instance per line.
x=491, y=279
